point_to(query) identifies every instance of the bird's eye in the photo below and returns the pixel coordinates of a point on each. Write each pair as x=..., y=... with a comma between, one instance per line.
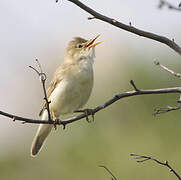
x=79, y=46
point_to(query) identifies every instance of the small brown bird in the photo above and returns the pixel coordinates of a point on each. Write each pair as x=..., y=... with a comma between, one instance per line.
x=70, y=87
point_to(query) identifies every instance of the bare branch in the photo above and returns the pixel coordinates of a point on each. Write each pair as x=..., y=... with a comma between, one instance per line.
x=165, y=110
x=96, y=109
x=129, y=28
x=113, y=177
x=167, y=69
x=169, y=5
x=141, y=159
x=168, y=109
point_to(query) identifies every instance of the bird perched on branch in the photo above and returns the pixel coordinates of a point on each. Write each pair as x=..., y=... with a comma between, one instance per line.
x=70, y=87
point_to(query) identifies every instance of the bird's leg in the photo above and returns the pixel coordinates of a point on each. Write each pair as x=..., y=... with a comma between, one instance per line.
x=54, y=118
x=87, y=112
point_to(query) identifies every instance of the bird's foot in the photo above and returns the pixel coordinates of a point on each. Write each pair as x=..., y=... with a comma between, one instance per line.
x=54, y=119
x=87, y=112
x=55, y=125
x=55, y=122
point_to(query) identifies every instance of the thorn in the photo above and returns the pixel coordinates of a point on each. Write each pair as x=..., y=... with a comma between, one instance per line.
x=166, y=162
x=64, y=126
x=90, y=18
x=62, y=123
x=114, y=21
x=14, y=119
x=117, y=96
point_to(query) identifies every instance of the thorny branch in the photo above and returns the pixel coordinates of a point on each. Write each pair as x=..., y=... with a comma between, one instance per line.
x=169, y=5
x=141, y=159
x=129, y=28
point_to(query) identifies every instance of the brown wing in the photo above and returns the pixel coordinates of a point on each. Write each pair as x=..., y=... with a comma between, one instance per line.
x=58, y=76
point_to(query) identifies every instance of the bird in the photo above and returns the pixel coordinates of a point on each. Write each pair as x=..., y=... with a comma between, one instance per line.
x=70, y=87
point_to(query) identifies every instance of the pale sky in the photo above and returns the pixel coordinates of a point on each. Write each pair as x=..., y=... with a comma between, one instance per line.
x=41, y=29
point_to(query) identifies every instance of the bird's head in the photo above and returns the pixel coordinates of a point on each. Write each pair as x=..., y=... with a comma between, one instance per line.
x=79, y=49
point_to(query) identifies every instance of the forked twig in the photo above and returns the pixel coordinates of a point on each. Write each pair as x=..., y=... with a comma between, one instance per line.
x=140, y=159
x=168, y=109
x=165, y=110
x=43, y=78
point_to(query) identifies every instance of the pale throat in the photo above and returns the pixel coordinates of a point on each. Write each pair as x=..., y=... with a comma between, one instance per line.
x=87, y=57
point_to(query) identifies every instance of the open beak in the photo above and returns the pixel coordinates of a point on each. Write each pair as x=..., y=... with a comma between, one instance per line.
x=91, y=43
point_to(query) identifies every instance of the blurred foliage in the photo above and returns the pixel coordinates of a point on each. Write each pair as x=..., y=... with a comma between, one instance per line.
x=127, y=126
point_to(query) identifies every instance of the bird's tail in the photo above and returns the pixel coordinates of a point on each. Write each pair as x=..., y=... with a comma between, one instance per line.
x=41, y=135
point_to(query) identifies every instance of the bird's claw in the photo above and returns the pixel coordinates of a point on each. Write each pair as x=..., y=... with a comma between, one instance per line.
x=55, y=122
x=87, y=112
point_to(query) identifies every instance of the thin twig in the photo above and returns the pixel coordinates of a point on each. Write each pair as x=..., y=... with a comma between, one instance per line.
x=129, y=28
x=43, y=77
x=168, y=109
x=141, y=159
x=113, y=177
x=134, y=86
x=165, y=110
x=96, y=109
x=169, y=5
x=167, y=69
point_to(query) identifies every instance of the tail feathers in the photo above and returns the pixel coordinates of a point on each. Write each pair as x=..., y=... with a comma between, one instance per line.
x=40, y=137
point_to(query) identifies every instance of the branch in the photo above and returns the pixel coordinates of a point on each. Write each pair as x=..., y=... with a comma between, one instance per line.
x=168, y=109
x=169, y=5
x=167, y=69
x=43, y=78
x=113, y=177
x=128, y=28
x=96, y=109
x=145, y=158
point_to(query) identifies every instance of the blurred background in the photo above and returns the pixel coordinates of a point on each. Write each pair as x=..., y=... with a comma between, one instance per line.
x=42, y=29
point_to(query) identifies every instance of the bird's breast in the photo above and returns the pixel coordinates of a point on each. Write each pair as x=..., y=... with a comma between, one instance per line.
x=73, y=91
